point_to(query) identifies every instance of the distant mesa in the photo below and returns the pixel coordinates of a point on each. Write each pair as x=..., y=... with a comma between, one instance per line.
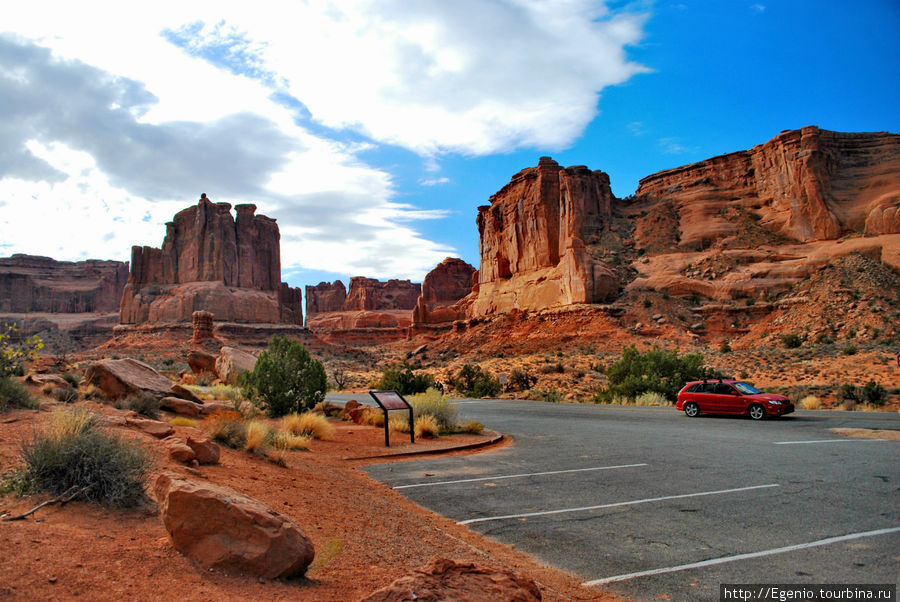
x=211, y=261
x=444, y=298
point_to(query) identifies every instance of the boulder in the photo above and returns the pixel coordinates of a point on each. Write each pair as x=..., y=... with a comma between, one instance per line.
x=443, y=579
x=179, y=450
x=154, y=428
x=232, y=362
x=220, y=528
x=179, y=406
x=43, y=379
x=201, y=362
x=216, y=404
x=185, y=393
x=120, y=378
x=205, y=451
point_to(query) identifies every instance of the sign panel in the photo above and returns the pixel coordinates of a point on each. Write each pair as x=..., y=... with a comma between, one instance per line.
x=389, y=400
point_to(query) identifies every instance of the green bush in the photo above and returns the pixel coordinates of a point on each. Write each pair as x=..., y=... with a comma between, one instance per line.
x=874, y=393
x=791, y=341
x=66, y=394
x=521, y=380
x=471, y=381
x=406, y=382
x=143, y=403
x=850, y=350
x=663, y=372
x=849, y=392
x=725, y=347
x=14, y=394
x=286, y=379
x=14, y=355
x=75, y=454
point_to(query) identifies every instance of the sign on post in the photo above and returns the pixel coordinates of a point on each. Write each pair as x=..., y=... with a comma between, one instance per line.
x=391, y=400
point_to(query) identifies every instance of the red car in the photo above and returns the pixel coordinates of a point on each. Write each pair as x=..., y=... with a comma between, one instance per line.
x=730, y=397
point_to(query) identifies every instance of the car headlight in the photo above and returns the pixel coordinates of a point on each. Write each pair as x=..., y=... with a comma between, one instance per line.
x=774, y=402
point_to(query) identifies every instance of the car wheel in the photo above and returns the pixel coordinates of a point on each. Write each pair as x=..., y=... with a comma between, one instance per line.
x=691, y=409
x=757, y=412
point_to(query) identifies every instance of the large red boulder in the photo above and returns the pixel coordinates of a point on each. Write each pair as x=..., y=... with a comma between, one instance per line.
x=220, y=528
x=124, y=377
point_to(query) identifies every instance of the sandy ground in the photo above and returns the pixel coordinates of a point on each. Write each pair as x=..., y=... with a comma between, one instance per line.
x=365, y=534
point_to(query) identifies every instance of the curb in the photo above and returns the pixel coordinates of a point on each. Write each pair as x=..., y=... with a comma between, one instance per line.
x=493, y=439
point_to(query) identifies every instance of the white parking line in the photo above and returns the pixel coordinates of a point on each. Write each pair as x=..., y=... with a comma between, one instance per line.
x=825, y=441
x=514, y=476
x=613, y=505
x=724, y=559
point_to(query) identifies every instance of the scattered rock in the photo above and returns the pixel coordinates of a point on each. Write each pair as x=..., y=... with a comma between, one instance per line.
x=211, y=406
x=179, y=450
x=204, y=449
x=201, y=362
x=185, y=393
x=154, y=428
x=232, y=362
x=43, y=379
x=182, y=407
x=222, y=529
x=443, y=579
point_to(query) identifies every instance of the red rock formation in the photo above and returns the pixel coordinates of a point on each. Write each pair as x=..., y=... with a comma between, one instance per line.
x=807, y=185
x=210, y=261
x=443, y=288
x=325, y=297
x=30, y=284
x=537, y=238
x=368, y=294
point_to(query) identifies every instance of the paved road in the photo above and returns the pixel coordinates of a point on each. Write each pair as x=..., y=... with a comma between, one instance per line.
x=648, y=492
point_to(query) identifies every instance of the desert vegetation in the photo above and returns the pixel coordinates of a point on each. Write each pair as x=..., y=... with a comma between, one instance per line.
x=636, y=374
x=286, y=379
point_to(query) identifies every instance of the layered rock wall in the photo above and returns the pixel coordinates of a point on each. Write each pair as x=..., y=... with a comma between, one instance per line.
x=442, y=291
x=537, y=238
x=30, y=284
x=211, y=261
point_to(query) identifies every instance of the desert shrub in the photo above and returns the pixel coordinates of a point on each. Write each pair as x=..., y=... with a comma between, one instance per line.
x=183, y=421
x=74, y=453
x=874, y=393
x=651, y=398
x=811, y=402
x=72, y=379
x=14, y=354
x=426, y=426
x=473, y=426
x=405, y=382
x=850, y=350
x=433, y=403
x=276, y=456
x=286, y=379
x=143, y=403
x=220, y=391
x=398, y=423
x=227, y=427
x=791, y=341
x=13, y=394
x=93, y=392
x=824, y=339
x=549, y=395
x=308, y=424
x=725, y=347
x=521, y=380
x=257, y=436
x=663, y=372
x=289, y=441
x=66, y=394
x=849, y=392
x=471, y=381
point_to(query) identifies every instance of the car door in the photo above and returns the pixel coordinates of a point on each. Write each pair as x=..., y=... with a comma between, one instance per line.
x=706, y=398
x=728, y=400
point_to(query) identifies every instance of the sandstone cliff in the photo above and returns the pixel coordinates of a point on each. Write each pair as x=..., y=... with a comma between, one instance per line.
x=30, y=284
x=540, y=239
x=442, y=291
x=211, y=261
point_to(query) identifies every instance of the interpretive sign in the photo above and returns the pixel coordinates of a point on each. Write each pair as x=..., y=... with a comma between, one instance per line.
x=391, y=400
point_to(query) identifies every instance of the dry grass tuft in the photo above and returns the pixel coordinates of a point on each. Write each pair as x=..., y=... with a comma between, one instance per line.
x=427, y=427
x=258, y=436
x=182, y=421
x=285, y=440
x=310, y=424
x=811, y=402
x=399, y=424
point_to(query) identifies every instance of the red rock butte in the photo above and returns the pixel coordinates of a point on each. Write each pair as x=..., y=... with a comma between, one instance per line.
x=212, y=262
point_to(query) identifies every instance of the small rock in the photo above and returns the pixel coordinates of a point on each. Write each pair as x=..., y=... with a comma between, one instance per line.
x=204, y=449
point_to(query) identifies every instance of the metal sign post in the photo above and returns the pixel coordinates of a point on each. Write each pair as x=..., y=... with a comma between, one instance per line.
x=391, y=400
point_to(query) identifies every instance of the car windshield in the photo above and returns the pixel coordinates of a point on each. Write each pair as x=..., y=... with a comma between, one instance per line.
x=746, y=389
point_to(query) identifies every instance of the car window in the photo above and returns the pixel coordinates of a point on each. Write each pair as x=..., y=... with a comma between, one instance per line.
x=746, y=389
x=723, y=389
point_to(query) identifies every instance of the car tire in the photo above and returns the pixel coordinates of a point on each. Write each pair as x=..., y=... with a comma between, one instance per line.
x=691, y=409
x=756, y=412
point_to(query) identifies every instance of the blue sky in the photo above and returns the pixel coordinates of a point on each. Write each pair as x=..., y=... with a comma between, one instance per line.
x=372, y=131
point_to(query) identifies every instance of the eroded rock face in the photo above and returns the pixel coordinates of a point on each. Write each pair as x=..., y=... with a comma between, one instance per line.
x=213, y=262
x=325, y=297
x=30, y=284
x=220, y=528
x=806, y=185
x=371, y=310
x=538, y=238
x=443, y=288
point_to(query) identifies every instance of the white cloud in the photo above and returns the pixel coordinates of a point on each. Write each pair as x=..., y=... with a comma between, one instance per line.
x=113, y=124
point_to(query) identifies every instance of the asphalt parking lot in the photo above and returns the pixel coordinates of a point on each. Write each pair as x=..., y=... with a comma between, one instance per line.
x=647, y=502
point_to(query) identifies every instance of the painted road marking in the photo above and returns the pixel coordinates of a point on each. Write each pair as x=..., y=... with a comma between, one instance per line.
x=613, y=505
x=515, y=476
x=724, y=559
x=825, y=441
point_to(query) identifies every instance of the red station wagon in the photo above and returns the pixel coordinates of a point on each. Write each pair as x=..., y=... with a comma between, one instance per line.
x=730, y=397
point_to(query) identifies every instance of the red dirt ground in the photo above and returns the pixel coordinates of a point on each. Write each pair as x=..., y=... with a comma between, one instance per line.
x=365, y=534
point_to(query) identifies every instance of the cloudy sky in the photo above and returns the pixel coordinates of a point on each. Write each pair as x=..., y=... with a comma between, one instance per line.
x=372, y=130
